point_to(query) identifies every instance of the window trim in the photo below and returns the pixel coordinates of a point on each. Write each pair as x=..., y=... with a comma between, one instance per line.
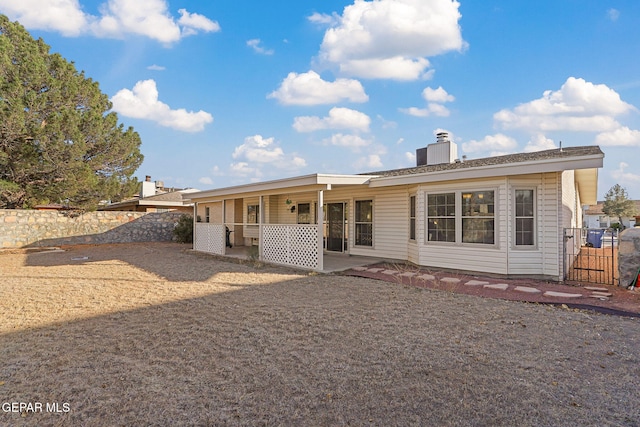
x=257, y=209
x=356, y=223
x=514, y=218
x=492, y=216
x=413, y=215
x=458, y=217
x=312, y=213
x=427, y=216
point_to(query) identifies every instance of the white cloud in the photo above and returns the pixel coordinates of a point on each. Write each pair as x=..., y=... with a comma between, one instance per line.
x=621, y=137
x=368, y=162
x=192, y=22
x=149, y=18
x=142, y=103
x=387, y=124
x=613, y=14
x=255, y=45
x=155, y=67
x=495, y=145
x=411, y=157
x=397, y=68
x=309, y=89
x=257, y=150
x=391, y=38
x=539, y=142
x=354, y=142
x=624, y=177
x=415, y=111
x=437, y=95
x=578, y=106
x=435, y=98
x=324, y=19
x=64, y=16
x=205, y=180
x=243, y=169
x=339, y=118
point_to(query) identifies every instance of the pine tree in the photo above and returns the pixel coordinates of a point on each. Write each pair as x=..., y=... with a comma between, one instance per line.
x=59, y=141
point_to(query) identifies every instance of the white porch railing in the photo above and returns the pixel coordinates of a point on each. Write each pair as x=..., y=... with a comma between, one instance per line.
x=210, y=238
x=295, y=245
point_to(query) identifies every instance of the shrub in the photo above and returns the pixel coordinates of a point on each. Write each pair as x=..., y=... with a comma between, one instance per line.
x=183, y=232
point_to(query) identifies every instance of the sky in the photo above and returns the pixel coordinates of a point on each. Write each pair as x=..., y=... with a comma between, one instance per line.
x=227, y=92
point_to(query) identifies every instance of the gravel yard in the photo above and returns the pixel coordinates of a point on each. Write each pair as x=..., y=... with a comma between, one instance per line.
x=157, y=335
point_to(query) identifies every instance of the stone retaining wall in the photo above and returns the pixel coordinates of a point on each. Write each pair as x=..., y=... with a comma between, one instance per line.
x=27, y=228
x=628, y=255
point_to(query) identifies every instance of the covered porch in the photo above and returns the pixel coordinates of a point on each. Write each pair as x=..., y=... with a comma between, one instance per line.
x=283, y=222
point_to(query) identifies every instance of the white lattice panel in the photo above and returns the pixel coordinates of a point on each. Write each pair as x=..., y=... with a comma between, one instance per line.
x=295, y=245
x=210, y=238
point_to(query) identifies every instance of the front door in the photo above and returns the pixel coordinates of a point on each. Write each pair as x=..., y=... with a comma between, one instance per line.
x=335, y=227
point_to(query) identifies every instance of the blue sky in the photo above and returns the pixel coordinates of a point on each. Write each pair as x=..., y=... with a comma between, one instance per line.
x=230, y=92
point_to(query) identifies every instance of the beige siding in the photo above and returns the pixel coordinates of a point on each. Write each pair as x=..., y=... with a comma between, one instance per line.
x=390, y=220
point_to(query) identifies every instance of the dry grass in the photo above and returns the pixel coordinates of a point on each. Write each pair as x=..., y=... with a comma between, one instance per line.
x=152, y=335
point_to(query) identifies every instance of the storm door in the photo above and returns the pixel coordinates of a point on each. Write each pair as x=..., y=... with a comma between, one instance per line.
x=335, y=227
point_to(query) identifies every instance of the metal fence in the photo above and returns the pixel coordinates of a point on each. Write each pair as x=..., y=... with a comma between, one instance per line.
x=591, y=255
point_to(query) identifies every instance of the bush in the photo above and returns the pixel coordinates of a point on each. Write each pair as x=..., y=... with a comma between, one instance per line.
x=183, y=232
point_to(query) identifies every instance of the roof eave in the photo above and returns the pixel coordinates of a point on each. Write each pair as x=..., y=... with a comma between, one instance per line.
x=520, y=168
x=306, y=181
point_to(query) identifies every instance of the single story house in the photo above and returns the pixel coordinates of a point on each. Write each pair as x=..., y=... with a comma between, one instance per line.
x=502, y=215
x=154, y=197
x=595, y=218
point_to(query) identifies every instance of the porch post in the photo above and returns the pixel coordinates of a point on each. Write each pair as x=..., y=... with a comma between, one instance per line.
x=224, y=221
x=320, y=224
x=195, y=221
x=260, y=232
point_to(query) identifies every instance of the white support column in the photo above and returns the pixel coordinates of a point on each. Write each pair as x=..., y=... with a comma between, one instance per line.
x=224, y=224
x=195, y=221
x=260, y=231
x=320, y=217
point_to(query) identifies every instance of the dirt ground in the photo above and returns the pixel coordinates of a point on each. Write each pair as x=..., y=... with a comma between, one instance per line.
x=156, y=335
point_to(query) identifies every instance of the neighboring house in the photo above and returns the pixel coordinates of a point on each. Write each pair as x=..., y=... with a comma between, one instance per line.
x=153, y=197
x=503, y=215
x=595, y=218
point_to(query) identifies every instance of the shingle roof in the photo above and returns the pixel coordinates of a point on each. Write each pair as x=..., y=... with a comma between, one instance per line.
x=497, y=160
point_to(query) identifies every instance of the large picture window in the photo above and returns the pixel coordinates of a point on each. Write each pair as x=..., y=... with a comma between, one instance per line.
x=478, y=220
x=441, y=219
x=364, y=223
x=524, y=218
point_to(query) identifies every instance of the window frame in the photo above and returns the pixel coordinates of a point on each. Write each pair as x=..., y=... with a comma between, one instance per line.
x=357, y=225
x=256, y=208
x=458, y=217
x=312, y=216
x=413, y=213
x=477, y=215
x=446, y=216
x=534, y=219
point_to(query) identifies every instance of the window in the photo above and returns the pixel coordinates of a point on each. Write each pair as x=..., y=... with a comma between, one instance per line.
x=364, y=223
x=253, y=214
x=441, y=219
x=207, y=212
x=524, y=218
x=412, y=217
x=304, y=213
x=478, y=222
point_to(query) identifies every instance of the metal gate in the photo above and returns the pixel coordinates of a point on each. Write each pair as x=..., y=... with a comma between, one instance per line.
x=591, y=256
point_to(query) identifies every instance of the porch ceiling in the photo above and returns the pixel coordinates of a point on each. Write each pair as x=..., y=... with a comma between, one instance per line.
x=587, y=180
